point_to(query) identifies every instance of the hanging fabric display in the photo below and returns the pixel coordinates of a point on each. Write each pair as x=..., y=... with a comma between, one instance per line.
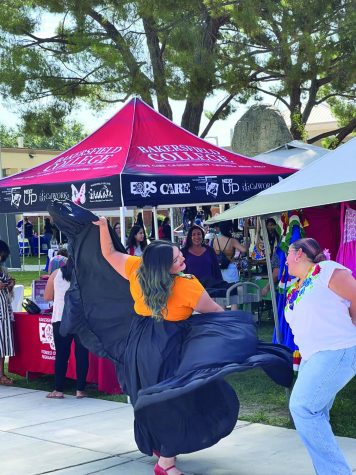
x=347, y=250
x=290, y=228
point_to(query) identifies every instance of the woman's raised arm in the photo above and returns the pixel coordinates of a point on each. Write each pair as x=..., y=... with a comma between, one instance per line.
x=116, y=259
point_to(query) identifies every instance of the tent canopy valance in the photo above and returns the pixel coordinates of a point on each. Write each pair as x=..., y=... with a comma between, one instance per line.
x=139, y=158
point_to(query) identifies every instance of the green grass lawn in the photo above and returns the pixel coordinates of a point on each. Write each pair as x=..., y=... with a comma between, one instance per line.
x=261, y=400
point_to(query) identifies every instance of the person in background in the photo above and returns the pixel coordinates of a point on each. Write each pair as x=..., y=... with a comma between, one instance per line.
x=48, y=232
x=272, y=235
x=321, y=311
x=225, y=243
x=6, y=315
x=136, y=242
x=275, y=263
x=166, y=229
x=200, y=259
x=117, y=229
x=57, y=261
x=57, y=285
x=161, y=295
x=28, y=233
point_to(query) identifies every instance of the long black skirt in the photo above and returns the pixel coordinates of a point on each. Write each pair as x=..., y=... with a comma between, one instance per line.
x=173, y=371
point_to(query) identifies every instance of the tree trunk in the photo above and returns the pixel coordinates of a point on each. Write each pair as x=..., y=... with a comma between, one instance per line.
x=159, y=75
x=297, y=126
x=192, y=115
x=201, y=81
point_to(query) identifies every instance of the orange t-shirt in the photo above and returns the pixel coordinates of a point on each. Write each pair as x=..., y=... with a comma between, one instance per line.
x=185, y=294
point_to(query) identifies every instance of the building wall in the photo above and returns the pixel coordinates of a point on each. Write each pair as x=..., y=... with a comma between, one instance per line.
x=15, y=160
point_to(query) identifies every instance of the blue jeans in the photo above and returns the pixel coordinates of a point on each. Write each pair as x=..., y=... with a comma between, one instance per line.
x=320, y=379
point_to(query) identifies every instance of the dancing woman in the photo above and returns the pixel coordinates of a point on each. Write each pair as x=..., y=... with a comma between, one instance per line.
x=159, y=292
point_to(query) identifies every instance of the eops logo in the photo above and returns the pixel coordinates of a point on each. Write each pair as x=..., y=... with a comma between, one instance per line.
x=143, y=188
x=46, y=334
x=229, y=187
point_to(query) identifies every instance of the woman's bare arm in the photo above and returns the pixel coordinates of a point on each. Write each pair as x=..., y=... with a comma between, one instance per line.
x=49, y=290
x=206, y=304
x=238, y=246
x=116, y=259
x=344, y=285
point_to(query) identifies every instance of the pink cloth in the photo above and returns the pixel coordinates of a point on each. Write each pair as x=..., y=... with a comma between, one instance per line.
x=347, y=250
x=324, y=226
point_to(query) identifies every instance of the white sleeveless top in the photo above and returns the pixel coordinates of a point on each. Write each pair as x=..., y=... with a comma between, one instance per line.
x=319, y=318
x=60, y=288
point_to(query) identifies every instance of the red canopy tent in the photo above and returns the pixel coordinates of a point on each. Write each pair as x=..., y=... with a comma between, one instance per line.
x=139, y=158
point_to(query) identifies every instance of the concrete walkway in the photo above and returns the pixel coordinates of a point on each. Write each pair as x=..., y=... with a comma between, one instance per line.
x=92, y=436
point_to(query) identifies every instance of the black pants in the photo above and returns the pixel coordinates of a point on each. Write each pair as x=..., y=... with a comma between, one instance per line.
x=63, y=344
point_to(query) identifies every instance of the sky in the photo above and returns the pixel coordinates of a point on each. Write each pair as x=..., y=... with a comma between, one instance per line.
x=220, y=134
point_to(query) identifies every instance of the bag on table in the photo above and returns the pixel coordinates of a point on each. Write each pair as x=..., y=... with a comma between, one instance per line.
x=223, y=261
x=30, y=306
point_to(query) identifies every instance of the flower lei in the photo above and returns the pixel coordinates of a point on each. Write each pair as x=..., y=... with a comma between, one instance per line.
x=296, y=293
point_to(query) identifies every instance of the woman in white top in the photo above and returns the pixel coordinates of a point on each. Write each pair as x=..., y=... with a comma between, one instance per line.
x=136, y=242
x=321, y=311
x=57, y=285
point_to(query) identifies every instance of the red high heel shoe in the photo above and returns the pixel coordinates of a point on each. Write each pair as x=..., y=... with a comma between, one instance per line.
x=161, y=471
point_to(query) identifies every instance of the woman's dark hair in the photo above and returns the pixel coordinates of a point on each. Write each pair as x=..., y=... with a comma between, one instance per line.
x=226, y=228
x=67, y=269
x=62, y=252
x=271, y=221
x=116, y=224
x=154, y=276
x=311, y=249
x=188, y=242
x=4, y=251
x=165, y=221
x=131, y=240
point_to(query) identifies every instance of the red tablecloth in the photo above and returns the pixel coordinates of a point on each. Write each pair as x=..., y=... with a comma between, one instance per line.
x=35, y=353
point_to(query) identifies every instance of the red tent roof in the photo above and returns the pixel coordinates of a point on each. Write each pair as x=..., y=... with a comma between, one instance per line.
x=140, y=140
x=137, y=143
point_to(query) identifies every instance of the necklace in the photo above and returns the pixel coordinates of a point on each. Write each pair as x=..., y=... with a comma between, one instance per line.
x=300, y=282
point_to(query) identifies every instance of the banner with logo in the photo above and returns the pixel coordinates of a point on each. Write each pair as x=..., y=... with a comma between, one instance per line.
x=92, y=194
x=170, y=190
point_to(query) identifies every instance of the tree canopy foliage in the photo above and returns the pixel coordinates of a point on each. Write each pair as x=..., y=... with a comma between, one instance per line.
x=104, y=51
x=41, y=131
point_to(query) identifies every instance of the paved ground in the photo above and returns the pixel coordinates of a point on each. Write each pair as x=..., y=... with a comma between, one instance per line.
x=91, y=436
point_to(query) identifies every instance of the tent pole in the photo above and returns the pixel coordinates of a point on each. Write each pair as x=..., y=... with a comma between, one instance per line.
x=171, y=218
x=122, y=226
x=39, y=244
x=270, y=277
x=23, y=243
x=155, y=222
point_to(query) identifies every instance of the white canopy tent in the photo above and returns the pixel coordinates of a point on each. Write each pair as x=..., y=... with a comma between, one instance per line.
x=330, y=179
x=294, y=154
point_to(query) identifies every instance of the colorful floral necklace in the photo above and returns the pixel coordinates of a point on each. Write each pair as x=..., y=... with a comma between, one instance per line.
x=296, y=291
